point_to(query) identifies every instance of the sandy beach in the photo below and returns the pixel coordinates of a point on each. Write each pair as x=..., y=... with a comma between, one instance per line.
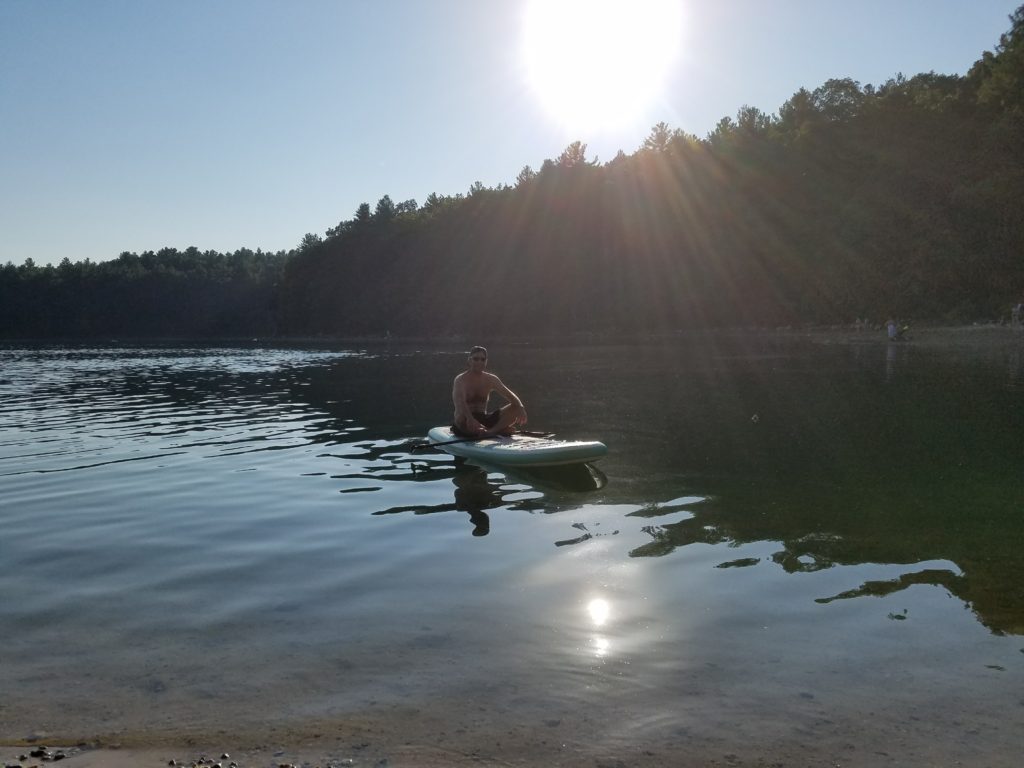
x=886, y=735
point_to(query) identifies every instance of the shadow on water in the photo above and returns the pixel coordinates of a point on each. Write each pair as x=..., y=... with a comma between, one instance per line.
x=473, y=493
x=478, y=488
x=572, y=478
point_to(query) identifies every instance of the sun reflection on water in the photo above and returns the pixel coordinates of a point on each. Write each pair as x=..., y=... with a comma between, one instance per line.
x=599, y=610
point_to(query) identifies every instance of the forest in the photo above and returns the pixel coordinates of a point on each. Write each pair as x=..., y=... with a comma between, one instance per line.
x=902, y=199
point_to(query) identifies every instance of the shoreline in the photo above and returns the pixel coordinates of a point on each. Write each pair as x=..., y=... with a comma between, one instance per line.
x=715, y=728
x=870, y=740
x=929, y=336
x=924, y=334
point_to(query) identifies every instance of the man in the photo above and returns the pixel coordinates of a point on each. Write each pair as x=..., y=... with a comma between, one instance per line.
x=894, y=332
x=470, y=393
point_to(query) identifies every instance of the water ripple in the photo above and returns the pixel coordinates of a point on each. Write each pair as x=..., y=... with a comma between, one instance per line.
x=188, y=532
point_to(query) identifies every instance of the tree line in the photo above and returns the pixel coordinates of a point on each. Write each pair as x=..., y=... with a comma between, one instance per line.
x=850, y=202
x=188, y=293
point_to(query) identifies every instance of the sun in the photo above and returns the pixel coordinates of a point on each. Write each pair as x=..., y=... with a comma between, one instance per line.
x=598, y=64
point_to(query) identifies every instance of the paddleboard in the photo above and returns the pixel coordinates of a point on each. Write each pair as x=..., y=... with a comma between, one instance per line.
x=519, y=450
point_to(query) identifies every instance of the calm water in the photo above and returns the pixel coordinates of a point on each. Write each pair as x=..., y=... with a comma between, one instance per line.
x=788, y=542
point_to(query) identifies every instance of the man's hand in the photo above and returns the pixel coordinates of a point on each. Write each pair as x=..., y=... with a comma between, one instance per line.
x=521, y=416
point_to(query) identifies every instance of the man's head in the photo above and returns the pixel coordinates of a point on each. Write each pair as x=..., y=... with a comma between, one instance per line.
x=477, y=358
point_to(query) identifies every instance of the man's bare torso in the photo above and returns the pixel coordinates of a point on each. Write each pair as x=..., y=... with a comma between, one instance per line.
x=476, y=389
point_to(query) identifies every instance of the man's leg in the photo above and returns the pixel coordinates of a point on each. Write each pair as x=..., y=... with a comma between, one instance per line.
x=507, y=419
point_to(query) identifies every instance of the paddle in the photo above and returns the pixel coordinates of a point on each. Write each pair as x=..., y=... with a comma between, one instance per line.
x=451, y=442
x=420, y=446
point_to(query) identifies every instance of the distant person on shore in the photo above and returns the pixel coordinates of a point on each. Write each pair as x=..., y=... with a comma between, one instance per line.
x=470, y=392
x=892, y=329
x=1015, y=313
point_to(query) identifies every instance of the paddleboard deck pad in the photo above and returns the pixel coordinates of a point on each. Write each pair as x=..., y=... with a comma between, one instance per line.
x=519, y=450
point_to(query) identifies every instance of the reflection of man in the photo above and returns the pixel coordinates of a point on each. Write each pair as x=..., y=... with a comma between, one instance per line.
x=473, y=494
x=470, y=393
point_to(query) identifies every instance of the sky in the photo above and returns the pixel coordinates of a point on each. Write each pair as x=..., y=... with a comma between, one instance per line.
x=134, y=125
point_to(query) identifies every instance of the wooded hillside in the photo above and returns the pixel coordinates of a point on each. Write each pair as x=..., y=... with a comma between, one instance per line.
x=851, y=202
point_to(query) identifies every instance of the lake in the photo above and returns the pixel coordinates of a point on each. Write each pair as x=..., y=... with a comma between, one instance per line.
x=798, y=546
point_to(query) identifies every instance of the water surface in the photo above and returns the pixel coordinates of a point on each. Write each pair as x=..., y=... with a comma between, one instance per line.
x=790, y=542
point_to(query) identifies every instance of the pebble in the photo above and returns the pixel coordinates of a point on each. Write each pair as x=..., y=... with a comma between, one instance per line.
x=202, y=762
x=42, y=753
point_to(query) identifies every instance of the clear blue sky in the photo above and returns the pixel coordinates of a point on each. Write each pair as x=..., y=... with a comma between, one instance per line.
x=131, y=125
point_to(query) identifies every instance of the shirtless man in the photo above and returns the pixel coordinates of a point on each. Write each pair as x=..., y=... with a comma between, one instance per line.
x=470, y=393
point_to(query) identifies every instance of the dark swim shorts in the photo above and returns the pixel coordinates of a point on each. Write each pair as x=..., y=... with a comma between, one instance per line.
x=488, y=420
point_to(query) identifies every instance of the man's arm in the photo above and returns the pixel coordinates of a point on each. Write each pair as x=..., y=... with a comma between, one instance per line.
x=512, y=398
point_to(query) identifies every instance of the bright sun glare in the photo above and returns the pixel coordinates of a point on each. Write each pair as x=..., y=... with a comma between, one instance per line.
x=597, y=64
x=599, y=609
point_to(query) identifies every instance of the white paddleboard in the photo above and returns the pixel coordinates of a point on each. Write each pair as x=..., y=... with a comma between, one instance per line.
x=518, y=450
